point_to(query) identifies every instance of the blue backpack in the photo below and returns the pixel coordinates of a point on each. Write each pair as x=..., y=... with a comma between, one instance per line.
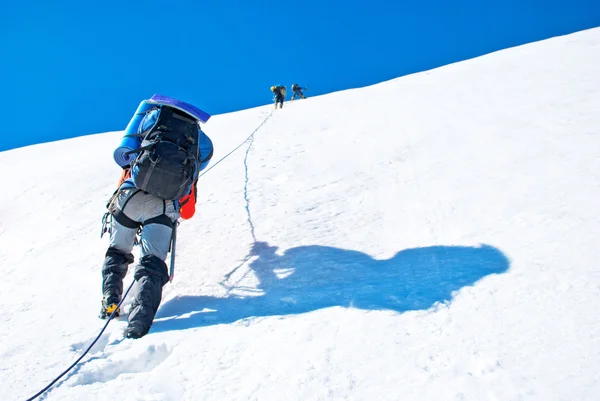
x=169, y=157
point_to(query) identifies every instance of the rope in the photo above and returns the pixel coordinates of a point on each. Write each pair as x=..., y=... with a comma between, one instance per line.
x=88, y=348
x=250, y=138
x=239, y=146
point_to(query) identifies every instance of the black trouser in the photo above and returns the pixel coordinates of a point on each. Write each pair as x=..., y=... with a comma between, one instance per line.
x=114, y=270
x=134, y=208
x=279, y=99
x=151, y=275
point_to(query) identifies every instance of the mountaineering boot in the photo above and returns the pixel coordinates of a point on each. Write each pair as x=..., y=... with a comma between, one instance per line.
x=151, y=276
x=108, y=309
x=114, y=270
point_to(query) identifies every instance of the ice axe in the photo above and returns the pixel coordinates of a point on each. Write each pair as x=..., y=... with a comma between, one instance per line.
x=173, y=243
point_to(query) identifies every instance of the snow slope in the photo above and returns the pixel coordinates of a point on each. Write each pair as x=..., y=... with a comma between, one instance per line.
x=434, y=237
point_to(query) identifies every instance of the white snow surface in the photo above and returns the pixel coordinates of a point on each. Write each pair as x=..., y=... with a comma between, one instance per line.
x=433, y=237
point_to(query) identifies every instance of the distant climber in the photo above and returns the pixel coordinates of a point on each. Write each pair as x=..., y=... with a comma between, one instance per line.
x=279, y=92
x=298, y=91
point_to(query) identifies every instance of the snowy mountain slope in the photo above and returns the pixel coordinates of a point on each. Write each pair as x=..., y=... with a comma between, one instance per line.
x=428, y=238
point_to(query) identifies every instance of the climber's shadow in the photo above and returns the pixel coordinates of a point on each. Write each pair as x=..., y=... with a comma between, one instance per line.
x=308, y=278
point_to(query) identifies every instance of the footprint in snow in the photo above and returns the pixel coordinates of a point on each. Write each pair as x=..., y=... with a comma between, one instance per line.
x=129, y=361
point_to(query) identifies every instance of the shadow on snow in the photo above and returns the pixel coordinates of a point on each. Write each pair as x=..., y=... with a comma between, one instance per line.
x=308, y=278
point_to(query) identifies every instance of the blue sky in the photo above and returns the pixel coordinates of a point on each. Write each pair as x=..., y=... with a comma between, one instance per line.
x=76, y=68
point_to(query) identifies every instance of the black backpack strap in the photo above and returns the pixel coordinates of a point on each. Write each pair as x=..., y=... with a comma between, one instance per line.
x=183, y=116
x=141, y=149
x=146, y=132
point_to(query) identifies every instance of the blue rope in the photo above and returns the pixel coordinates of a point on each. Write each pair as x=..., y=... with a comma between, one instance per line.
x=88, y=348
x=251, y=137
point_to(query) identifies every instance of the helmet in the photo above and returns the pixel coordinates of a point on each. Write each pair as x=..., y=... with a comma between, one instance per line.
x=272, y=88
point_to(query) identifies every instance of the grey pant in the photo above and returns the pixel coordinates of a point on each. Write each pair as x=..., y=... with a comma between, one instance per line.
x=155, y=238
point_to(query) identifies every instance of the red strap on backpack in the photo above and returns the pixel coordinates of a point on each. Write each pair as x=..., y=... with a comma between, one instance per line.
x=187, y=204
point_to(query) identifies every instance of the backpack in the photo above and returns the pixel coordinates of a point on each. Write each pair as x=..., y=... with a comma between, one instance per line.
x=282, y=90
x=295, y=87
x=168, y=160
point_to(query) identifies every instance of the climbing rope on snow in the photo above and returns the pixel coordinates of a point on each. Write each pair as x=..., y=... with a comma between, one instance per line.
x=87, y=350
x=250, y=138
